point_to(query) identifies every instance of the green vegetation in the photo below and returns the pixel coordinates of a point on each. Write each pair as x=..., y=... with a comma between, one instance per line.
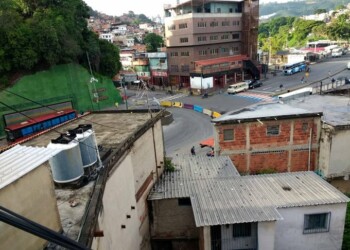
x=267, y=171
x=37, y=35
x=168, y=165
x=300, y=8
x=346, y=235
x=285, y=32
x=70, y=82
x=153, y=41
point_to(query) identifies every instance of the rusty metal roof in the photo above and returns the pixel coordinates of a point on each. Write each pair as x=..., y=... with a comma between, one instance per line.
x=219, y=195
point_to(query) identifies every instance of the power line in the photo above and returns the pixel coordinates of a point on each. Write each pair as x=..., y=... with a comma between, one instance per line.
x=48, y=107
x=18, y=221
x=52, y=129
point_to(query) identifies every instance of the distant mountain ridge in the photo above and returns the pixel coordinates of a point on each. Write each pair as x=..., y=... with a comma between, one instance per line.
x=299, y=7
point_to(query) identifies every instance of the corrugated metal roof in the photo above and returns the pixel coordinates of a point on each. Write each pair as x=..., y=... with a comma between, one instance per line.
x=265, y=111
x=20, y=160
x=220, y=196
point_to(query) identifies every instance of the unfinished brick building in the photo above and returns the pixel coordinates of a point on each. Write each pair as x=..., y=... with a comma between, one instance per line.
x=269, y=137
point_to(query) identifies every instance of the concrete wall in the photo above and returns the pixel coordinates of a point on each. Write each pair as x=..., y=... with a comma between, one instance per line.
x=228, y=242
x=289, y=231
x=252, y=150
x=125, y=195
x=266, y=235
x=171, y=221
x=333, y=161
x=33, y=197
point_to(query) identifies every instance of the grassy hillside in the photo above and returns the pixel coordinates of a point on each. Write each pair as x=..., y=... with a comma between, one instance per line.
x=61, y=83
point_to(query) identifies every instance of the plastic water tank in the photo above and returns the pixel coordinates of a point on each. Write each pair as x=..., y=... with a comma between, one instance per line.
x=66, y=166
x=87, y=143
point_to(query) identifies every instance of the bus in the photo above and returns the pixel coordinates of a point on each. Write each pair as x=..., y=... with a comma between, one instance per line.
x=25, y=129
x=290, y=69
x=237, y=87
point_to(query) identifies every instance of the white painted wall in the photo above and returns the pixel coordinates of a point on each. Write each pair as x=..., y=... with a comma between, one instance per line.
x=266, y=235
x=33, y=197
x=289, y=231
x=339, y=163
x=333, y=162
x=201, y=83
x=119, y=197
x=230, y=243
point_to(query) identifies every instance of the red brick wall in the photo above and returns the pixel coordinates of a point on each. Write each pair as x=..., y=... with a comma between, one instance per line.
x=277, y=161
x=240, y=161
x=239, y=140
x=301, y=135
x=300, y=159
x=277, y=147
x=259, y=138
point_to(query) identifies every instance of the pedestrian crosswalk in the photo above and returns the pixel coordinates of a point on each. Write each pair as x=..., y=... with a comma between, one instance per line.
x=258, y=97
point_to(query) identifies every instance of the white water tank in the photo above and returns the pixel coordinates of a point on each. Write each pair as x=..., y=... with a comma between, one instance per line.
x=87, y=143
x=66, y=166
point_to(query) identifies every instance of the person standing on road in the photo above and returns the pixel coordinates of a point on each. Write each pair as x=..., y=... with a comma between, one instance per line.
x=193, y=152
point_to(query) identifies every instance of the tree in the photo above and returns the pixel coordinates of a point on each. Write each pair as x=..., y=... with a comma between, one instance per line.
x=339, y=28
x=153, y=41
x=109, y=61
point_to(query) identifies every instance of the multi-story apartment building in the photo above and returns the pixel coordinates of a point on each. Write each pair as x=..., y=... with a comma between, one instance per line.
x=199, y=31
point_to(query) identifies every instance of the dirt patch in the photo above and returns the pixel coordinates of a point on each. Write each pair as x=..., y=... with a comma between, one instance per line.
x=341, y=185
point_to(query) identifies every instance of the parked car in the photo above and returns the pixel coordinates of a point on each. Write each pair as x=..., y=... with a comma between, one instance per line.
x=255, y=84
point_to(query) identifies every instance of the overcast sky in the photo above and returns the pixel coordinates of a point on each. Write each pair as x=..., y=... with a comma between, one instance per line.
x=150, y=8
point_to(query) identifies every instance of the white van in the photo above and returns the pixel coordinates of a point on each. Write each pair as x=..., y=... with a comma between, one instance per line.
x=237, y=87
x=348, y=66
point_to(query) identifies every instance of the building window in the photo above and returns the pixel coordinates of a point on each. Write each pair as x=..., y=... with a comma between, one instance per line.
x=174, y=68
x=182, y=25
x=236, y=49
x=224, y=50
x=202, y=52
x=305, y=127
x=235, y=23
x=235, y=36
x=185, y=68
x=185, y=53
x=202, y=38
x=273, y=130
x=228, y=134
x=224, y=36
x=173, y=54
x=316, y=223
x=214, y=24
x=202, y=24
x=213, y=37
x=225, y=23
x=172, y=27
x=184, y=202
x=218, y=10
x=184, y=40
x=214, y=51
x=242, y=230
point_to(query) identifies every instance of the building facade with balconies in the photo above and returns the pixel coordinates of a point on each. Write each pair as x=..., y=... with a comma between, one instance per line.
x=197, y=31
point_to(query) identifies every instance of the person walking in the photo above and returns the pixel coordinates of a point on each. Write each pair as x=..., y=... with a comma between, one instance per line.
x=193, y=152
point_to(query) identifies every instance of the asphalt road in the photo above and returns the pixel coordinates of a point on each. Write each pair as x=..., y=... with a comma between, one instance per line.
x=187, y=130
x=190, y=127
